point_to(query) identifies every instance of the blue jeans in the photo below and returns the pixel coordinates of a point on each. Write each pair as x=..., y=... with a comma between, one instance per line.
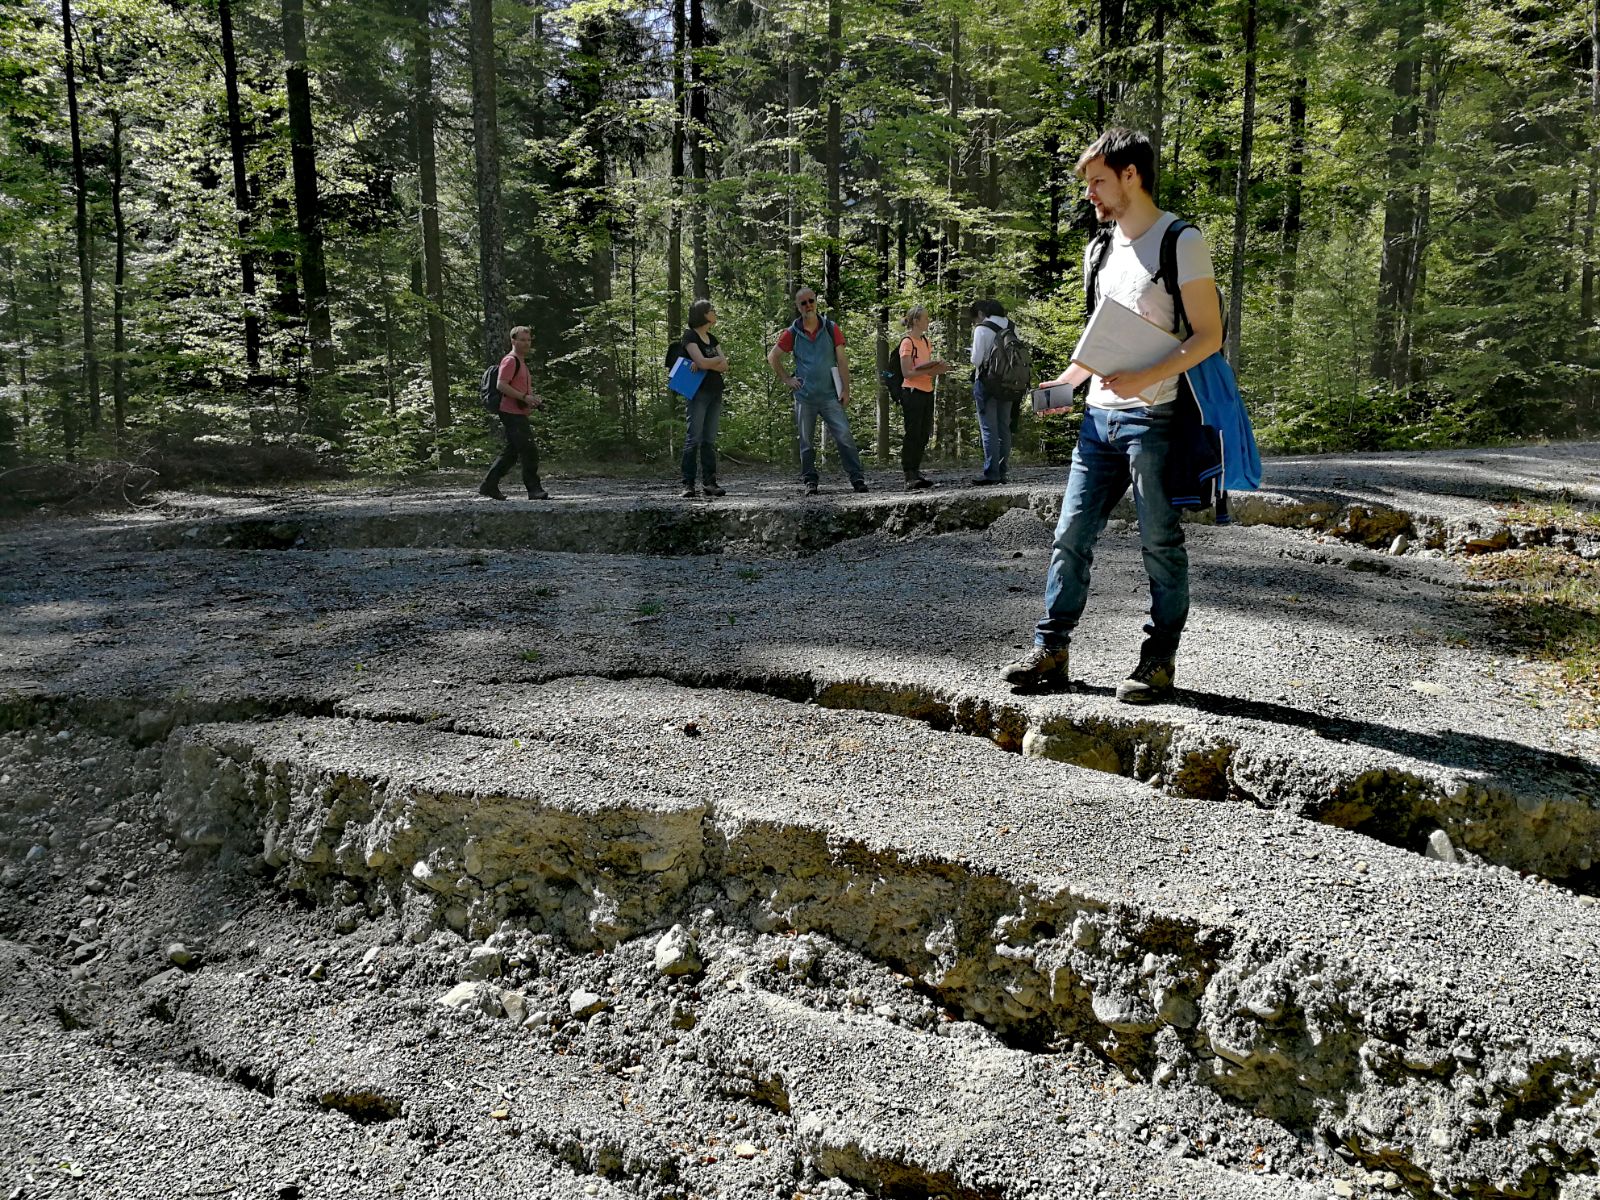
x=1114, y=446
x=994, y=423
x=806, y=412
x=705, y=414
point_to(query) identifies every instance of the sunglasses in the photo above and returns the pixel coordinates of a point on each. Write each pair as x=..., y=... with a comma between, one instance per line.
x=807, y=303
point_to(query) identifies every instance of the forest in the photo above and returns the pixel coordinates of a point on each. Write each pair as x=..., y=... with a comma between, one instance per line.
x=308, y=224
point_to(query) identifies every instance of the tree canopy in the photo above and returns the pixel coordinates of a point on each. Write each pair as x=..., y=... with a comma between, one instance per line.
x=308, y=222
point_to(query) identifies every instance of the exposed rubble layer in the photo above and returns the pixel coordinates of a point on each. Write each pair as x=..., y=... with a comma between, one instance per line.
x=1436, y=1019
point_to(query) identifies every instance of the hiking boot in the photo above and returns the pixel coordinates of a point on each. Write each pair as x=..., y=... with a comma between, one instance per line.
x=916, y=485
x=538, y=493
x=811, y=488
x=1040, y=667
x=688, y=492
x=983, y=481
x=491, y=491
x=713, y=488
x=1150, y=681
x=860, y=485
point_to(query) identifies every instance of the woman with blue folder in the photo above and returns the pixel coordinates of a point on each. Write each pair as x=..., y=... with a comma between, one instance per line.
x=698, y=378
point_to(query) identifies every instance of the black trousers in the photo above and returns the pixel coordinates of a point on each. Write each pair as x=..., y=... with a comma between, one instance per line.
x=519, y=445
x=918, y=410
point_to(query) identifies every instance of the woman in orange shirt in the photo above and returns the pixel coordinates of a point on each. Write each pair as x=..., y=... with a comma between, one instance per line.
x=918, y=367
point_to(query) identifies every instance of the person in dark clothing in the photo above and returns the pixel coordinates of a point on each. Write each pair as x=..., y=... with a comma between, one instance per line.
x=517, y=400
x=705, y=406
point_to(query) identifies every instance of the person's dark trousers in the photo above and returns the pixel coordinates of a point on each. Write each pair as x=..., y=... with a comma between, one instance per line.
x=994, y=423
x=918, y=408
x=700, y=438
x=519, y=445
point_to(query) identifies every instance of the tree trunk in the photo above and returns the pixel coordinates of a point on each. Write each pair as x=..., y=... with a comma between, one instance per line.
x=1159, y=114
x=1399, y=209
x=428, y=185
x=80, y=187
x=1415, y=275
x=1294, y=187
x=1055, y=194
x=1586, y=291
x=698, y=119
x=902, y=232
x=793, y=129
x=19, y=339
x=950, y=271
x=241, y=192
x=486, y=160
x=119, y=343
x=833, y=154
x=1241, y=195
x=539, y=270
x=882, y=231
x=675, y=193
x=307, y=205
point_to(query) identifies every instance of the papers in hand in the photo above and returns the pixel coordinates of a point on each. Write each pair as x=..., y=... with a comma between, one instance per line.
x=684, y=379
x=1119, y=339
x=838, y=383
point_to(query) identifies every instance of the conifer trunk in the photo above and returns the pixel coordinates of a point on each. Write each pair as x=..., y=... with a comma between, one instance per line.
x=307, y=203
x=428, y=185
x=675, y=212
x=833, y=154
x=698, y=119
x=1241, y=195
x=241, y=191
x=486, y=177
x=80, y=188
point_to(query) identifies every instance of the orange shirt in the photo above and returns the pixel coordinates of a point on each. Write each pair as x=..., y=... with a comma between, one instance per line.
x=917, y=350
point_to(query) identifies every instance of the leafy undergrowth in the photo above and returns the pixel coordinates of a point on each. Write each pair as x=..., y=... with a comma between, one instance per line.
x=1551, y=607
x=1563, y=514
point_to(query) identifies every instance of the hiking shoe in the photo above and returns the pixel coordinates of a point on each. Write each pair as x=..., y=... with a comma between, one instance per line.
x=1150, y=681
x=713, y=488
x=538, y=494
x=860, y=485
x=688, y=492
x=811, y=489
x=917, y=484
x=491, y=491
x=1040, y=667
x=984, y=481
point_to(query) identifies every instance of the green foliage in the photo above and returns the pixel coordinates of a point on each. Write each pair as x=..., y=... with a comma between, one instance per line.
x=1493, y=172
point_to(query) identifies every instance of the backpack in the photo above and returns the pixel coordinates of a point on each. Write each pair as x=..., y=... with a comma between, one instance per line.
x=489, y=389
x=675, y=351
x=1166, y=272
x=894, y=377
x=1007, y=371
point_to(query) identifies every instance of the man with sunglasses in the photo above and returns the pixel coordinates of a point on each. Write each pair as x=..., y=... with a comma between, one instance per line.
x=820, y=382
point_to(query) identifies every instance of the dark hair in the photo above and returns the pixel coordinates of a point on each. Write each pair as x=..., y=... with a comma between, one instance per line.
x=988, y=307
x=699, y=311
x=1123, y=148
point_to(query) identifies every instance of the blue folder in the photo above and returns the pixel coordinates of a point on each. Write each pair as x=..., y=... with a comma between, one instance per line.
x=685, y=380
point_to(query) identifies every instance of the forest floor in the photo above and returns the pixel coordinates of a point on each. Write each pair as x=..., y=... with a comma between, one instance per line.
x=393, y=841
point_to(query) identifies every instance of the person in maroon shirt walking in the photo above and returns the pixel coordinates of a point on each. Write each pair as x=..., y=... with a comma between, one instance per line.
x=517, y=400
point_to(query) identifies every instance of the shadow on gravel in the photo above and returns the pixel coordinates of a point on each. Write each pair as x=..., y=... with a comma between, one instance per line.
x=1492, y=756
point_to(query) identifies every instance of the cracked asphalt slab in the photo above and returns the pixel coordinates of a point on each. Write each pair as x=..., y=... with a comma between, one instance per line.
x=658, y=709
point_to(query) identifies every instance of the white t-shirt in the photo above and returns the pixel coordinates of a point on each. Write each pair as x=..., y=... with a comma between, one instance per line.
x=1128, y=276
x=983, y=339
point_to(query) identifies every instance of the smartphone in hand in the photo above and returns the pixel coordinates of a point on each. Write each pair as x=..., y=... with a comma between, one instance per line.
x=1054, y=398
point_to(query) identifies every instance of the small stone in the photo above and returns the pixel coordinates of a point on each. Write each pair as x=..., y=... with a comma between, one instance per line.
x=1439, y=848
x=515, y=1004
x=677, y=953
x=585, y=1004
x=473, y=997
x=1343, y=1188
x=317, y=971
x=178, y=954
x=1400, y=544
x=746, y=1150
x=1389, y=1181
x=370, y=957
x=484, y=962
x=691, y=729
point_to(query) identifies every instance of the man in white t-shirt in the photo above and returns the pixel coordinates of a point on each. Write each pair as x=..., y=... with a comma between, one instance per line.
x=1127, y=426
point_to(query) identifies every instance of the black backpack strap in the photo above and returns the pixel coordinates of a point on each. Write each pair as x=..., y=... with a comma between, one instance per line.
x=1167, y=273
x=1098, y=249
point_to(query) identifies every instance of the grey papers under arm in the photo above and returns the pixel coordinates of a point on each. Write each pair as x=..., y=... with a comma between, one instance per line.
x=1119, y=339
